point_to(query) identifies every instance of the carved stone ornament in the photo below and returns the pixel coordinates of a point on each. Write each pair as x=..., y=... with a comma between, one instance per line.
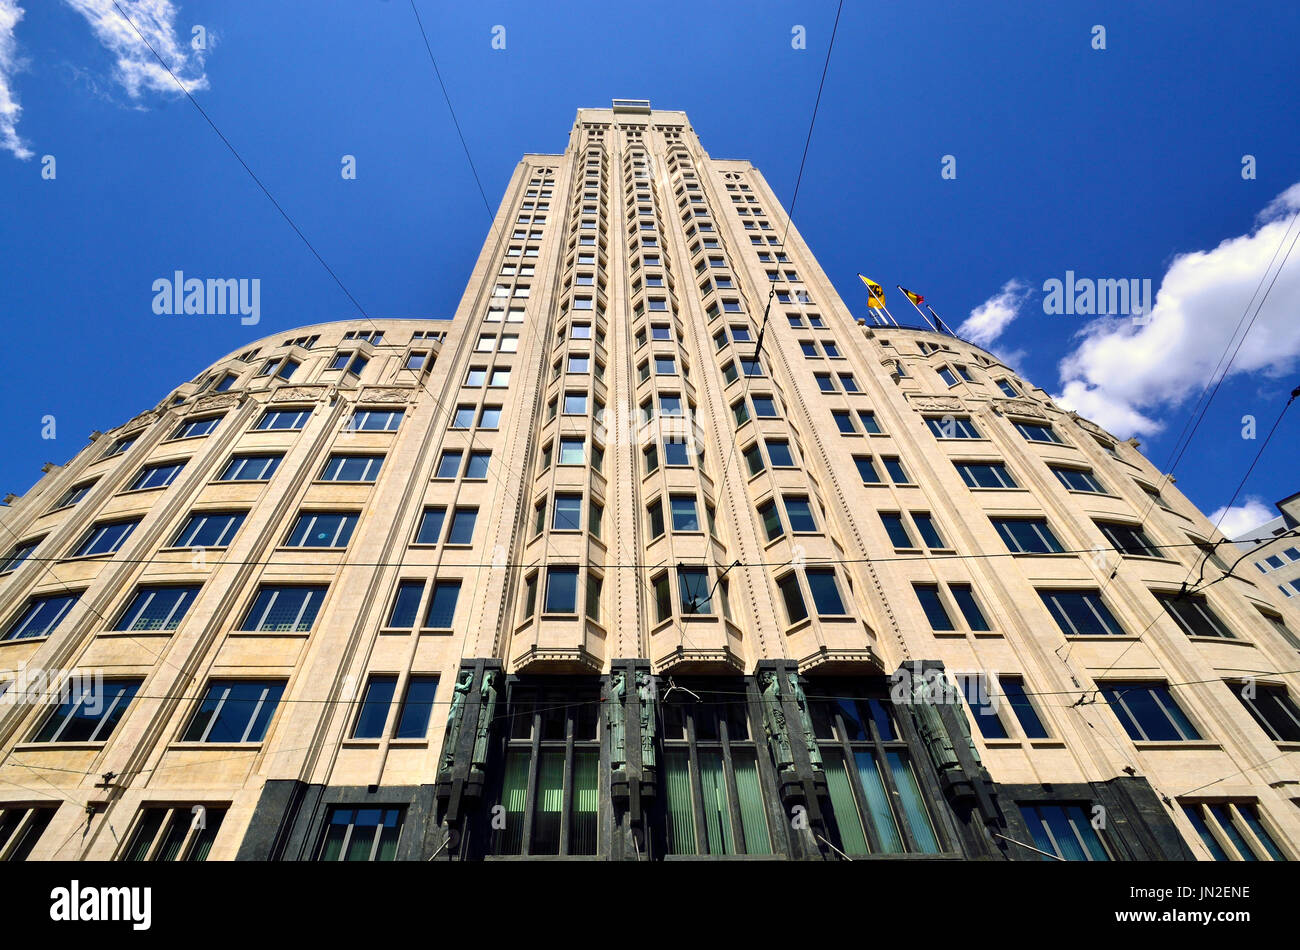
x=299, y=393
x=216, y=401
x=381, y=394
x=1020, y=407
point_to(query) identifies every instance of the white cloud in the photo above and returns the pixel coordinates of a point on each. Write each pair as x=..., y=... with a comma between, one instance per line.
x=1240, y=519
x=136, y=67
x=1121, y=374
x=987, y=321
x=10, y=110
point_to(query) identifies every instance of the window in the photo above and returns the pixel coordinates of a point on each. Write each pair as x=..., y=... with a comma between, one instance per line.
x=684, y=514
x=985, y=475
x=948, y=376
x=655, y=511
x=415, y=361
x=575, y=404
x=873, y=802
x=372, y=420
x=1077, y=479
x=477, y=466
x=1034, y=432
x=119, y=446
x=1195, y=617
x=970, y=608
x=561, y=590
x=157, y=476
x=442, y=605
x=226, y=382
x=1276, y=622
x=180, y=833
x=449, y=463
x=1128, y=539
x=568, y=513
x=571, y=451
x=413, y=714
x=989, y=698
x=676, y=453
x=352, y=468
x=406, y=605
x=489, y=417
x=89, y=713
x=73, y=495
x=932, y=603
x=1232, y=831
x=798, y=512
x=193, y=428
x=21, y=829
x=156, y=608
x=40, y=616
x=1081, y=613
x=1007, y=389
x=825, y=591
x=361, y=834
x=234, y=711
x=952, y=427
x=866, y=470
x=322, y=529
x=1272, y=707
x=250, y=468
x=210, y=529
x=283, y=419
x=1027, y=535
x=771, y=520
x=895, y=469
x=18, y=554
x=764, y=407
x=550, y=779
x=283, y=609
x=462, y=526
x=1065, y=831
x=105, y=538
x=711, y=771
x=1148, y=712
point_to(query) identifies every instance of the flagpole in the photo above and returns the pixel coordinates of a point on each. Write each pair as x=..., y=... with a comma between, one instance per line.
x=916, y=308
x=889, y=315
x=943, y=328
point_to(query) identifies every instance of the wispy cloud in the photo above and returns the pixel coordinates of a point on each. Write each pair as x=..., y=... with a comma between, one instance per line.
x=987, y=321
x=10, y=110
x=1121, y=374
x=136, y=68
x=1240, y=519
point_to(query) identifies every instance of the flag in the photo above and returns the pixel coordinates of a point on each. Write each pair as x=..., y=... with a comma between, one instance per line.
x=875, y=293
x=916, y=299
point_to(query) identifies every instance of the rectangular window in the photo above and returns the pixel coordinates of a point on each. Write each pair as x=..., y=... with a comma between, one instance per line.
x=778, y=452
x=361, y=834
x=798, y=513
x=1064, y=830
x=655, y=511
x=932, y=603
x=442, y=605
x=825, y=592
x=694, y=589
x=209, y=529
x=684, y=513
x=572, y=451
x=985, y=475
x=283, y=609
x=568, y=513
x=895, y=469
x=561, y=590
x=373, y=420
x=180, y=833
x=1272, y=707
x=1232, y=831
x=952, y=427
x=1148, y=712
x=283, y=419
x=1033, y=432
x=1194, y=616
x=156, y=476
x=194, y=428
x=18, y=554
x=477, y=466
x=250, y=468
x=90, y=713
x=40, y=616
x=156, y=608
x=352, y=468
x=449, y=463
x=867, y=470
x=969, y=607
x=1027, y=535
x=105, y=538
x=1128, y=538
x=73, y=495
x=1078, y=479
x=406, y=605
x=322, y=529
x=1081, y=613
x=376, y=702
x=462, y=526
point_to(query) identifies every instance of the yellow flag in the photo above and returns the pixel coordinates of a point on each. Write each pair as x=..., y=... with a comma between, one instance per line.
x=875, y=293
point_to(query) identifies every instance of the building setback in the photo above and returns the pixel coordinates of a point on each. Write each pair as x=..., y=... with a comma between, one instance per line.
x=576, y=574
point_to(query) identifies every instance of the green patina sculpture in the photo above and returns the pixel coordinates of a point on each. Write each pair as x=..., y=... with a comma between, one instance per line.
x=933, y=732
x=455, y=717
x=617, y=720
x=486, y=712
x=645, y=695
x=805, y=719
x=774, y=722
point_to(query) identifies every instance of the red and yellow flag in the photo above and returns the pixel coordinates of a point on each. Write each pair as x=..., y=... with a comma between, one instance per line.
x=916, y=299
x=875, y=293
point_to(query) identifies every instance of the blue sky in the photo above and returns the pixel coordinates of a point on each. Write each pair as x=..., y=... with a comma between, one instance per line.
x=1112, y=163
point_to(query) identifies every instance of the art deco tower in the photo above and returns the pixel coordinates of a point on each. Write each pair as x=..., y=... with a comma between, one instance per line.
x=578, y=573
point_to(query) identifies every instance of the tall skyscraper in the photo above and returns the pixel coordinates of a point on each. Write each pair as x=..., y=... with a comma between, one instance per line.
x=587, y=571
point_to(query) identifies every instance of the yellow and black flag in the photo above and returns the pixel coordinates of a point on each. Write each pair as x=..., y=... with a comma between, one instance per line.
x=875, y=293
x=916, y=299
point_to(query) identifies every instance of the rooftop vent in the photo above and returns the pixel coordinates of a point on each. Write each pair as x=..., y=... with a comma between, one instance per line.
x=639, y=106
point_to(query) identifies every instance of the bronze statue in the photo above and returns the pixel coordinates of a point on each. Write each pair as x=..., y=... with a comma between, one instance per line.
x=645, y=696
x=774, y=723
x=617, y=719
x=487, y=709
x=455, y=717
x=933, y=732
x=805, y=720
